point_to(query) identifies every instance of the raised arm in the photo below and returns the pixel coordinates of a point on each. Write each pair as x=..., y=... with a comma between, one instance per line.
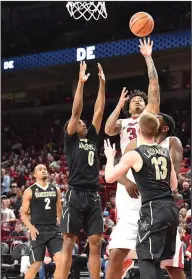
x=113, y=173
x=130, y=186
x=100, y=102
x=153, y=89
x=78, y=100
x=176, y=152
x=113, y=125
x=130, y=147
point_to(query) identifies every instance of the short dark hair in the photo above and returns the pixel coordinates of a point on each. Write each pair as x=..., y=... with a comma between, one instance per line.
x=133, y=94
x=169, y=122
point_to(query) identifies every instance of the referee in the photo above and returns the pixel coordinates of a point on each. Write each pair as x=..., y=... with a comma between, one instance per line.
x=83, y=204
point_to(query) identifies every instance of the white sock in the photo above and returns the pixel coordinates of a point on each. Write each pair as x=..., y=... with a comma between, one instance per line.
x=24, y=264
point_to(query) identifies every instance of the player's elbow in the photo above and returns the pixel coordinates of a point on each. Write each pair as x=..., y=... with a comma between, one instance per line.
x=23, y=213
x=110, y=132
x=109, y=178
x=173, y=185
x=107, y=130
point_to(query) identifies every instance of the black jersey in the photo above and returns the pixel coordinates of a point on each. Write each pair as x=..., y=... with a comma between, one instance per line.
x=153, y=180
x=82, y=159
x=43, y=204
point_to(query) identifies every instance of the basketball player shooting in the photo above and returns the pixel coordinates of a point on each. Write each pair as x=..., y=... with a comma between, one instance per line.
x=83, y=203
x=43, y=201
x=157, y=227
x=124, y=235
x=164, y=137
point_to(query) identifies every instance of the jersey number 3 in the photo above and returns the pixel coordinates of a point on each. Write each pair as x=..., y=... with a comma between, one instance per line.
x=132, y=133
x=160, y=167
x=90, y=158
x=47, y=203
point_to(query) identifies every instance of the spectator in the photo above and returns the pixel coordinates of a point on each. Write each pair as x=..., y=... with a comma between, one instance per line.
x=13, y=173
x=182, y=235
x=181, y=179
x=111, y=211
x=21, y=179
x=52, y=179
x=26, y=174
x=62, y=182
x=47, y=262
x=13, y=190
x=7, y=215
x=182, y=221
x=107, y=220
x=183, y=213
x=5, y=182
x=18, y=203
x=186, y=192
x=112, y=201
x=189, y=213
x=20, y=168
x=19, y=234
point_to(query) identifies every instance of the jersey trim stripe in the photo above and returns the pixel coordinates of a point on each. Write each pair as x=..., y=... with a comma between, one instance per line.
x=68, y=212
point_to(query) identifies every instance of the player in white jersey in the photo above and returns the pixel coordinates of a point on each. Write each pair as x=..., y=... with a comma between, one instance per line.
x=125, y=232
x=175, y=265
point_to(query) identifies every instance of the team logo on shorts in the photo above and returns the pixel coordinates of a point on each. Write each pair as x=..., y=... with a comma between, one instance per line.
x=144, y=226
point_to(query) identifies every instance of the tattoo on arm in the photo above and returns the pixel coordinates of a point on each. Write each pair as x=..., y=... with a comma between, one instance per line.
x=153, y=90
x=113, y=125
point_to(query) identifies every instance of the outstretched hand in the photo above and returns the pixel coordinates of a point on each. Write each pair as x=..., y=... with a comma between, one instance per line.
x=146, y=47
x=101, y=74
x=83, y=77
x=108, y=149
x=123, y=98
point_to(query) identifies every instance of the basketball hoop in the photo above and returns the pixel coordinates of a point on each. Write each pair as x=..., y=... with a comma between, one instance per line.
x=87, y=10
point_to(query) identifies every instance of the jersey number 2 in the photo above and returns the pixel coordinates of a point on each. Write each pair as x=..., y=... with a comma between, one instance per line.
x=160, y=167
x=90, y=158
x=47, y=201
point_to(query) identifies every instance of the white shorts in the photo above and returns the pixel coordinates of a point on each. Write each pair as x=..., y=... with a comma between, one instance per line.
x=178, y=259
x=124, y=234
x=125, y=204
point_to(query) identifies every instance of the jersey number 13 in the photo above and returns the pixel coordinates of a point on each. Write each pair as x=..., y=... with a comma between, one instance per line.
x=160, y=167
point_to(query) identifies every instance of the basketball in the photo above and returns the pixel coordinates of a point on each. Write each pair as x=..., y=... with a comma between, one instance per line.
x=141, y=24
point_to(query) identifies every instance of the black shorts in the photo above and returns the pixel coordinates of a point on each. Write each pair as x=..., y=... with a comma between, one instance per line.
x=157, y=229
x=82, y=210
x=50, y=238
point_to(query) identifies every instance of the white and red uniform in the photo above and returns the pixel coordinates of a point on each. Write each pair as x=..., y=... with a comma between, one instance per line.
x=124, y=234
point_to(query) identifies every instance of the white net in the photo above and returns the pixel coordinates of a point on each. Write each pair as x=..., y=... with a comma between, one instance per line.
x=87, y=10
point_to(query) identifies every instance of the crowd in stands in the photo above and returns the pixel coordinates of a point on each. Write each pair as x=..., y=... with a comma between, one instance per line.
x=31, y=140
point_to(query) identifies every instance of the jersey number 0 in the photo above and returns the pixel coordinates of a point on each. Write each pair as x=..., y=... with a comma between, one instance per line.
x=90, y=158
x=160, y=167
